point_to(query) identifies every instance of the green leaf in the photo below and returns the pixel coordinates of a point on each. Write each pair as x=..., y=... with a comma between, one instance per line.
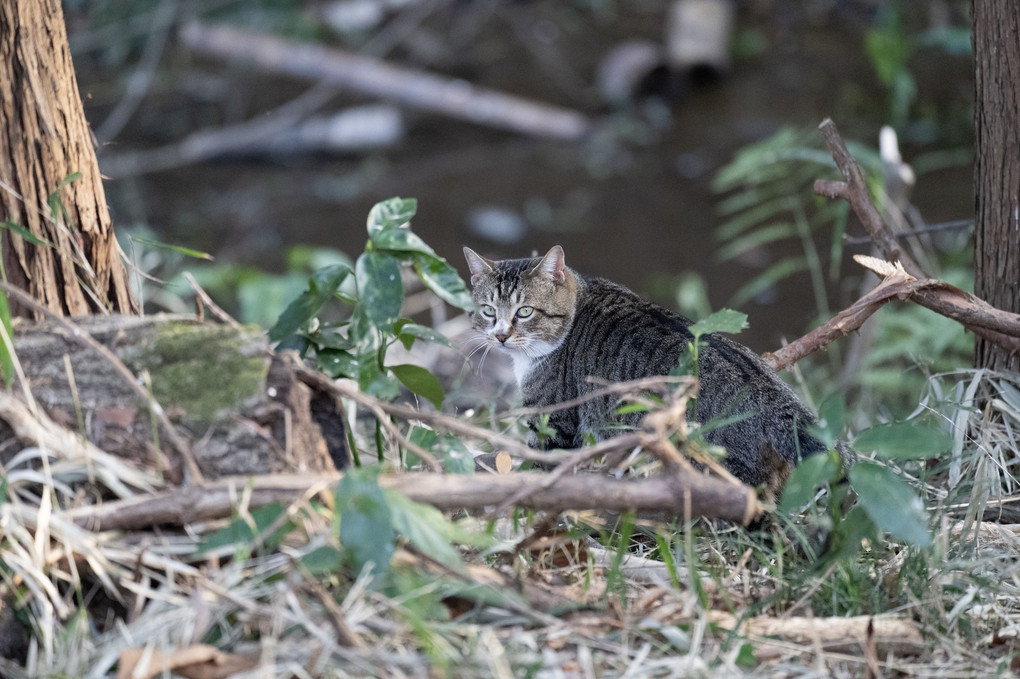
x=724, y=320
x=337, y=363
x=23, y=232
x=891, y=503
x=57, y=209
x=366, y=528
x=321, y=287
x=239, y=535
x=197, y=254
x=423, y=437
x=408, y=332
x=6, y=355
x=375, y=381
x=629, y=408
x=903, y=440
x=425, y=527
x=391, y=213
x=768, y=278
x=322, y=560
x=381, y=292
x=329, y=337
x=845, y=540
x=73, y=177
x=420, y=381
x=401, y=241
x=831, y=419
x=456, y=457
x=745, y=656
x=807, y=476
x=443, y=279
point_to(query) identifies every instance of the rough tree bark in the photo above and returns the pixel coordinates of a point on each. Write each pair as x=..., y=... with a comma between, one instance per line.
x=997, y=166
x=44, y=138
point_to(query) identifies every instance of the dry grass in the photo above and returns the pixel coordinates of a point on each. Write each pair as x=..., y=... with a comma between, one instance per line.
x=550, y=597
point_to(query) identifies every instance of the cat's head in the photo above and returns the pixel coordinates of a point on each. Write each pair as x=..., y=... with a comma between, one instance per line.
x=525, y=306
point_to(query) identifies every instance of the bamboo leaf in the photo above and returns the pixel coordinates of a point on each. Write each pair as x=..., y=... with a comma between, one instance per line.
x=23, y=232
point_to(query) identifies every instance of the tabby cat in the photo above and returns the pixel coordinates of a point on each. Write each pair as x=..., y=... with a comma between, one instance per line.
x=560, y=328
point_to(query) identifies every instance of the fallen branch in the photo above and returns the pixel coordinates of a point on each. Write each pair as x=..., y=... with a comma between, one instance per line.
x=451, y=97
x=357, y=130
x=677, y=494
x=889, y=633
x=951, y=302
x=896, y=286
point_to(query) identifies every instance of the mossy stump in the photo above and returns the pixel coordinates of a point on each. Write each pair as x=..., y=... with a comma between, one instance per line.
x=236, y=403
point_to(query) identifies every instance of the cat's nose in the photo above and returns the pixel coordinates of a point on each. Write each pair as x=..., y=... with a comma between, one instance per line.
x=502, y=338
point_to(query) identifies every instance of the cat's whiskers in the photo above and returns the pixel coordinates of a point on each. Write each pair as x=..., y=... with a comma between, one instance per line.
x=481, y=361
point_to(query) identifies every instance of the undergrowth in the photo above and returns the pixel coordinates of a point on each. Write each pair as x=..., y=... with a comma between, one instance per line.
x=361, y=581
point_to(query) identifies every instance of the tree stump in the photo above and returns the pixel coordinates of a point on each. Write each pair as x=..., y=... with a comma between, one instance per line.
x=235, y=402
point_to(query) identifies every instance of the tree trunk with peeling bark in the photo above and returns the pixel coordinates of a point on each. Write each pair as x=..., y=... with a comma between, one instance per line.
x=997, y=167
x=44, y=139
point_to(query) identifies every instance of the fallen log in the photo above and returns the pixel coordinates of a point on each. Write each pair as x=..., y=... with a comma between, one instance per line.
x=681, y=495
x=449, y=96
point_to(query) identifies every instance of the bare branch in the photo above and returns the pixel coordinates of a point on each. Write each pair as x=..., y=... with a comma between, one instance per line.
x=704, y=495
x=455, y=98
x=995, y=325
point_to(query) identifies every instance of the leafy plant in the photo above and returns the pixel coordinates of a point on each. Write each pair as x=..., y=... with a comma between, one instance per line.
x=886, y=502
x=769, y=198
x=356, y=345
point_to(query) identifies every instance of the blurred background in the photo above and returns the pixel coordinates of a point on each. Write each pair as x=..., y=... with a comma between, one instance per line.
x=667, y=144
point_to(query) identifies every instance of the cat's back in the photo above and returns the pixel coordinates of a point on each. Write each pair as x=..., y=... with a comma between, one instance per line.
x=617, y=335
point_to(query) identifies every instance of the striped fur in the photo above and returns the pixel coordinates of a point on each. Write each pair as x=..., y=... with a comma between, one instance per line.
x=580, y=328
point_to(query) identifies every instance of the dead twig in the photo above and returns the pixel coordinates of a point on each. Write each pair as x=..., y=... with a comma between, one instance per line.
x=908, y=281
x=981, y=318
x=218, y=311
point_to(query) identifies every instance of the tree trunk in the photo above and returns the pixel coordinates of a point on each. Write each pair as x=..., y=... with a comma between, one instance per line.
x=997, y=166
x=44, y=139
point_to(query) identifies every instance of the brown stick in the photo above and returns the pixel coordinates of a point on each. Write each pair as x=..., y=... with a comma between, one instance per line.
x=891, y=634
x=455, y=98
x=707, y=496
x=896, y=285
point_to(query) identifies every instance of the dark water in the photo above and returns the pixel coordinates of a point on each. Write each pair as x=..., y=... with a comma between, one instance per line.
x=621, y=207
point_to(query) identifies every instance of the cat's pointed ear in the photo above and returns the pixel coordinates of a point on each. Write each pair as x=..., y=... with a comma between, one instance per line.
x=478, y=265
x=552, y=265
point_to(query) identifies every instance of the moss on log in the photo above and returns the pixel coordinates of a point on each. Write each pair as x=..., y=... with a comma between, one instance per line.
x=236, y=402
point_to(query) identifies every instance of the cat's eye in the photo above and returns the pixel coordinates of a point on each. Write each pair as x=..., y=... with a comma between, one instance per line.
x=488, y=311
x=525, y=311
